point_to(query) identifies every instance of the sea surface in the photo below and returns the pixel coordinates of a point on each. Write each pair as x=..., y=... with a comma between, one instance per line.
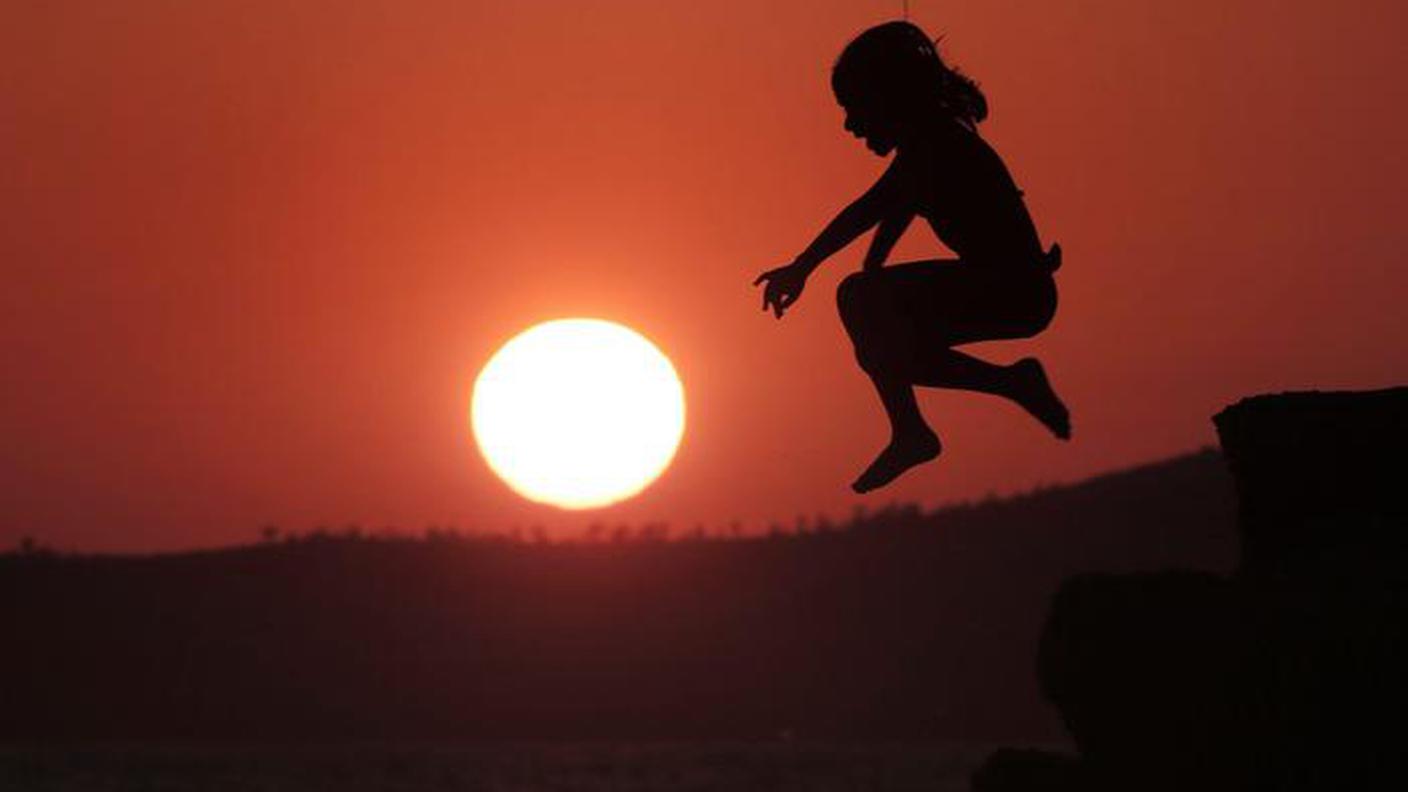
x=574, y=767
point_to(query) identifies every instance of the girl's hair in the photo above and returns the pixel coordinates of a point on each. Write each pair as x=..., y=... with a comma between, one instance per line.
x=898, y=65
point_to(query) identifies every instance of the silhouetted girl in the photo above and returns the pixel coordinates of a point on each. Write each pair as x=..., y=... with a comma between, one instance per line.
x=905, y=319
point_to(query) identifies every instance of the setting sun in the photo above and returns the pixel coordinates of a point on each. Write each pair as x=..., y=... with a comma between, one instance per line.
x=578, y=413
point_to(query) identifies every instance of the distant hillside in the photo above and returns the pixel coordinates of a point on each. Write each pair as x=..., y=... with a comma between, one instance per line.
x=899, y=624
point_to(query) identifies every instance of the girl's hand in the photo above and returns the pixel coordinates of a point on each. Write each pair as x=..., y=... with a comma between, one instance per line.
x=784, y=287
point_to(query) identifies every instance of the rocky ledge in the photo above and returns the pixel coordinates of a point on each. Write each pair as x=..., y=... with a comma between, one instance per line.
x=1290, y=674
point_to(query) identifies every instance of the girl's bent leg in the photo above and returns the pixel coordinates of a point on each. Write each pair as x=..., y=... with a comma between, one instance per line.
x=866, y=304
x=903, y=322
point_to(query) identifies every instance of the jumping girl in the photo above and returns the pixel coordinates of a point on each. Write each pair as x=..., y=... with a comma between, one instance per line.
x=906, y=319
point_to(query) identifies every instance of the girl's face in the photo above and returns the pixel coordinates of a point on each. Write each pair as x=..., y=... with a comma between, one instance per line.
x=863, y=121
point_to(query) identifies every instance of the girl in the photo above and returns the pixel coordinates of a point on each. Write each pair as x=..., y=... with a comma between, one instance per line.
x=905, y=320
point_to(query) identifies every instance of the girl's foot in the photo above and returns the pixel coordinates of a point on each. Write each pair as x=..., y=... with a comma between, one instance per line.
x=1035, y=395
x=900, y=455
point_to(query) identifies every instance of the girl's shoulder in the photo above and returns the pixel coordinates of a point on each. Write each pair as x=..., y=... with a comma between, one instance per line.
x=944, y=147
x=961, y=147
x=948, y=140
x=956, y=158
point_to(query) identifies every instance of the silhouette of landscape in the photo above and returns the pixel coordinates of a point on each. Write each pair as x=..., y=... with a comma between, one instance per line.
x=1212, y=621
x=897, y=624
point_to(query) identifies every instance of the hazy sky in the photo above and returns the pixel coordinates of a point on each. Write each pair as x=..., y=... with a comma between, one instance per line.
x=255, y=253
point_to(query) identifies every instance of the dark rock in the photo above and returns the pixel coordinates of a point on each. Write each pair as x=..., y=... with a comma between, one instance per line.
x=1289, y=675
x=1145, y=670
x=1319, y=475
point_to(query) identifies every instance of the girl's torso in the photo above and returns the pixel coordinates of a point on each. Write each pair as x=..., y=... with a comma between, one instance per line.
x=961, y=186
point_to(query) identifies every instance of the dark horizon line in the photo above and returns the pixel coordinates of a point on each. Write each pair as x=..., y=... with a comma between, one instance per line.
x=657, y=531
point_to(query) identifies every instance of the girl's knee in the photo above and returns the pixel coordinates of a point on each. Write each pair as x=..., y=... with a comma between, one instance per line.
x=871, y=360
x=868, y=313
x=852, y=294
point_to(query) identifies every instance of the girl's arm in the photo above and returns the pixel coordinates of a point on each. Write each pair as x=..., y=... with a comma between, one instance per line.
x=889, y=197
x=885, y=198
x=890, y=230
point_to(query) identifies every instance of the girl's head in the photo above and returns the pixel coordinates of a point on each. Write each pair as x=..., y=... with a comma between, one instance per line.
x=890, y=80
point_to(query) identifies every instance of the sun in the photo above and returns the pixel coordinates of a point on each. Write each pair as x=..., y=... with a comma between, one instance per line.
x=578, y=413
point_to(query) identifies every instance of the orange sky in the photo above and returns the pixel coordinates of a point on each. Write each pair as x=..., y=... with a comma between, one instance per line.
x=255, y=253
